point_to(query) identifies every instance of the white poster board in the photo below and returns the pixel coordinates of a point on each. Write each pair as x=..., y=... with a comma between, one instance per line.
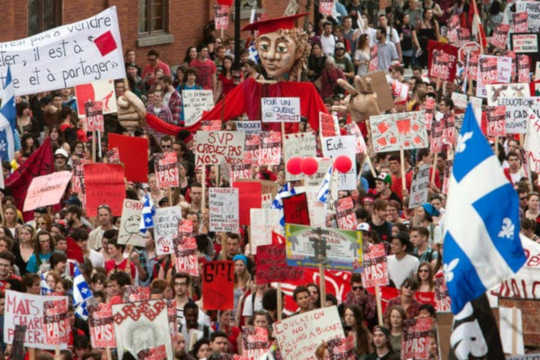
x=223, y=209
x=130, y=223
x=280, y=109
x=166, y=228
x=195, y=102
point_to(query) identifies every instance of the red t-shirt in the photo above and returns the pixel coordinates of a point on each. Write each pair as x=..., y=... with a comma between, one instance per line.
x=111, y=265
x=206, y=69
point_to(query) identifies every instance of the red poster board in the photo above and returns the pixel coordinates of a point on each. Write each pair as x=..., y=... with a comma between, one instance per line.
x=218, y=285
x=249, y=196
x=295, y=209
x=134, y=154
x=272, y=265
x=442, y=60
x=104, y=184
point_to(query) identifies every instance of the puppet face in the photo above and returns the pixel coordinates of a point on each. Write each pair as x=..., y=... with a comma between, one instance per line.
x=278, y=53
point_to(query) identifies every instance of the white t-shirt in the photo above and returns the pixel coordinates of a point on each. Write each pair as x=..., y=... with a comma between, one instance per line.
x=328, y=44
x=399, y=270
x=249, y=304
x=96, y=259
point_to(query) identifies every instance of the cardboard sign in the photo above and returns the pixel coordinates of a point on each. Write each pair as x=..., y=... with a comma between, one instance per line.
x=521, y=22
x=499, y=91
x=94, y=116
x=133, y=154
x=101, y=326
x=420, y=187
x=345, y=215
x=328, y=125
x=295, y=209
x=442, y=59
x=46, y=190
x=496, y=116
x=299, y=144
x=185, y=249
x=166, y=222
x=326, y=7
x=263, y=223
x=393, y=132
x=213, y=147
x=66, y=56
x=380, y=86
x=130, y=223
x=271, y=261
x=249, y=127
x=249, y=196
x=305, y=248
x=141, y=327
x=375, y=266
x=524, y=43
x=500, y=36
x=166, y=170
x=104, y=184
x=45, y=317
x=221, y=17
x=218, y=285
x=532, y=9
x=223, y=209
x=255, y=342
x=299, y=336
x=531, y=331
x=270, y=150
x=519, y=111
x=280, y=109
x=416, y=338
x=195, y=103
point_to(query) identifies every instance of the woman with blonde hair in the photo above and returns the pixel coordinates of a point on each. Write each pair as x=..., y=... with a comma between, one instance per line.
x=393, y=320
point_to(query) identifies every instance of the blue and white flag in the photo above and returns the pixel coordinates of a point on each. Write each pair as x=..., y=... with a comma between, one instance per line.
x=81, y=293
x=253, y=54
x=285, y=191
x=324, y=189
x=45, y=288
x=9, y=143
x=482, y=247
x=148, y=212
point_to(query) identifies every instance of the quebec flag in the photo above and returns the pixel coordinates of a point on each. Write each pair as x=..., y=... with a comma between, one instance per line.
x=482, y=247
x=148, y=212
x=9, y=138
x=81, y=293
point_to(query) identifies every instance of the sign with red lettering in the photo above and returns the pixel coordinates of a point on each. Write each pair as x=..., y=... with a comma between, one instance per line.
x=272, y=265
x=213, y=147
x=270, y=148
x=342, y=349
x=346, y=217
x=133, y=154
x=521, y=22
x=295, y=209
x=166, y=228
x=442, y=299
x=442, y=60
x=255, y=342
x=45, y=317
x=46, y=190
x=375, y=266
x=325, y=8
x=166, y=170
x=416, y=339
x=221, y=17
x=185, y=249
x=104, y=184
x=101, y=326
x=218, y=285
x=496, y=116
x=223, y=209
x=492, y=70
x=500, y=36
x=523, y=68
x=94, y=116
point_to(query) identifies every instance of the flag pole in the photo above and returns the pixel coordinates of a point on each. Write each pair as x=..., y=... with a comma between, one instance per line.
x=379, y=304
x=402, y=161
x=279, y=302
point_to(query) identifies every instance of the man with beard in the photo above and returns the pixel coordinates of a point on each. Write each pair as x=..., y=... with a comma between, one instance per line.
x=74, y=219
x=381, y=343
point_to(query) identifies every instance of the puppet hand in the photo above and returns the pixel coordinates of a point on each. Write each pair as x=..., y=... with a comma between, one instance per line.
x=362, y=101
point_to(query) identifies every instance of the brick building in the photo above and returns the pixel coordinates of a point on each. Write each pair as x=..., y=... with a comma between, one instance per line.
x=169, y=26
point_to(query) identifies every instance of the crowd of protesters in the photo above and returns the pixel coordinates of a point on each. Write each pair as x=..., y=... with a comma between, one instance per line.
x=341, y=48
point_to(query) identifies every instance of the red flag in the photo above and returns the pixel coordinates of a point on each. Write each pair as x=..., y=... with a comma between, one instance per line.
x=477, y=27
x=41, y=162
x=74, y=251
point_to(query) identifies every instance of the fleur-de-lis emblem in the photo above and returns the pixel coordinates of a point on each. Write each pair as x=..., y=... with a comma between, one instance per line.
x=448, y=270
x=507, y=229
x=462, y=142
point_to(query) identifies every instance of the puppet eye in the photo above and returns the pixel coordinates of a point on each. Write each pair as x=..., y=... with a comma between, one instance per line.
x=282, y=48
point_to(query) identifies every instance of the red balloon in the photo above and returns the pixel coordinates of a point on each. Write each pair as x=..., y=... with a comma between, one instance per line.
x=294, y=165
x=309, y=166
x=343, y=164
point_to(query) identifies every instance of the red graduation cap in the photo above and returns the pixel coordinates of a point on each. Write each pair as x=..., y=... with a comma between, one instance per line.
x=271, y=25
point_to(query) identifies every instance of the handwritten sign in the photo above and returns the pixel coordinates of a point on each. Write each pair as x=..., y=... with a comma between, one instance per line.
x=218, y=284
x=270, y=148
x=272, y=265
x=46, y=190
x=95, y=92
x=393, y=132
x=104, y=184
x=223, y=206
x=101, y=326
x=166, y=228
x=491, y=70
x=280, y=109
x=375, y=266
x=420, y=187
x=521, y=22
x=195, y=103
x=524, y=43
x=221, y=17
x=255, y=342
x=299, y=336
x=248, y=127
x=519, y=111
x=263, y=223
x=416, y=338
x=342, y=145
x=130, y=223
x=345, y=215
x=166, y=170
x=185, y=249
x=500, y=36
x=213, y=147
x=69, y=55
x=532, y=8
x=496, y=120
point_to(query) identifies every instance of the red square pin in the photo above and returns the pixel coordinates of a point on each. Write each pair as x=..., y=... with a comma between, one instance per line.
x=105, y=43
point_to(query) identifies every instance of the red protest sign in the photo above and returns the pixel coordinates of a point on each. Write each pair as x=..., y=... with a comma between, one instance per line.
x=521, y=22
x=104, y=184
x=500, y=36
x=94, y=116
x=415, y=341
x=56, y=322
x=272, y=265
x=255, y=342
x=375, y=266
x=496, y=116
x=101, y=326
x=442, y=60
x=425, y=297
x=218, y=285
x=166, y=170
x=185, y=249
x=221, y=18
x=249, y=196
x=328, y=125
x=134, y=154
x=270, y=150
x=295, y=209
x=326, y=7
x=346, y=217
x=523, y=68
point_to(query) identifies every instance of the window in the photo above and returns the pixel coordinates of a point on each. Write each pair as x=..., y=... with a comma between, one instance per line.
x=153, y=16
x=43, y=15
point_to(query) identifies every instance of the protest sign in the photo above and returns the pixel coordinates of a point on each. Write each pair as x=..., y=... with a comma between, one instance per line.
x=249, y=196
x=46, y=190
x=218, y=285
x=68, y=55
x=500, y=36
x=133, y=154
x=442, y=299
x=252, y=149
x=342, y=349
x=240, y=171
x=420, y=187
x=532, y=9
x=429, y=111
x=263, y=223
x=521, y=22
x=47, y=324
x=211, y=125
x=417, y=336
x=326, y=7
x=130, y=223
x=185, y=249
x=306, y=246
x=353, y=129
x=393, y=132
x=523, y=68
x=375, y=266
x=328, y=125
x=299, y=336
x=299, y=144
x=213, y=147
x=270, y=150
x=132, y=293
x=104, y=184
x=93, y=121
x=100, y=322
x=460, y=100
x=317, y=209
x=255, y=342
x=195, y=103
x=345, y=215
x=518, y=112
x=272, y=265
x=101, y=91
x=166, y=170
x=142, y=328
x=295, y=209
x=166, y=228
x=442, y=60
x=496, y=120
x=530, y=328
x=498, y=91
x=380, y=85
x=342, y=145
x=249, y=126
x=280, y=109
x=221, y=17
x=223, y=209
x=491, y=70
x=524, y=43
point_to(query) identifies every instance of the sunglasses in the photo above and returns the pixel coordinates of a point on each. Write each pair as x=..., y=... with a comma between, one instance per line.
x=423, y=270
x=356, y=288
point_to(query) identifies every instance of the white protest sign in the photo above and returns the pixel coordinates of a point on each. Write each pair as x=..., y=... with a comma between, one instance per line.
x=46, y=190
x=300, y=335
x=69, y=55
x=213, y=147
x=31, y=310
x=460, y=100
x=498, y=91
x=130, y=223
x=524, y=43
x=280, y=109
x=195, y=102
x=299, y=144
x=519, y=111
x=532, y=8
x=476, y=103
x=335, y=146
x=223, y=206
x=166, y=228
x=420, y=187
x=263, y=222
x=249, y=127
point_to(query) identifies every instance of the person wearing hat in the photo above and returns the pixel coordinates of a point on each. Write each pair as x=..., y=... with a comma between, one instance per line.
x=381, y=343
x=383, y=190
x=343, y=61
x=61, y=157
x=401, y=265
